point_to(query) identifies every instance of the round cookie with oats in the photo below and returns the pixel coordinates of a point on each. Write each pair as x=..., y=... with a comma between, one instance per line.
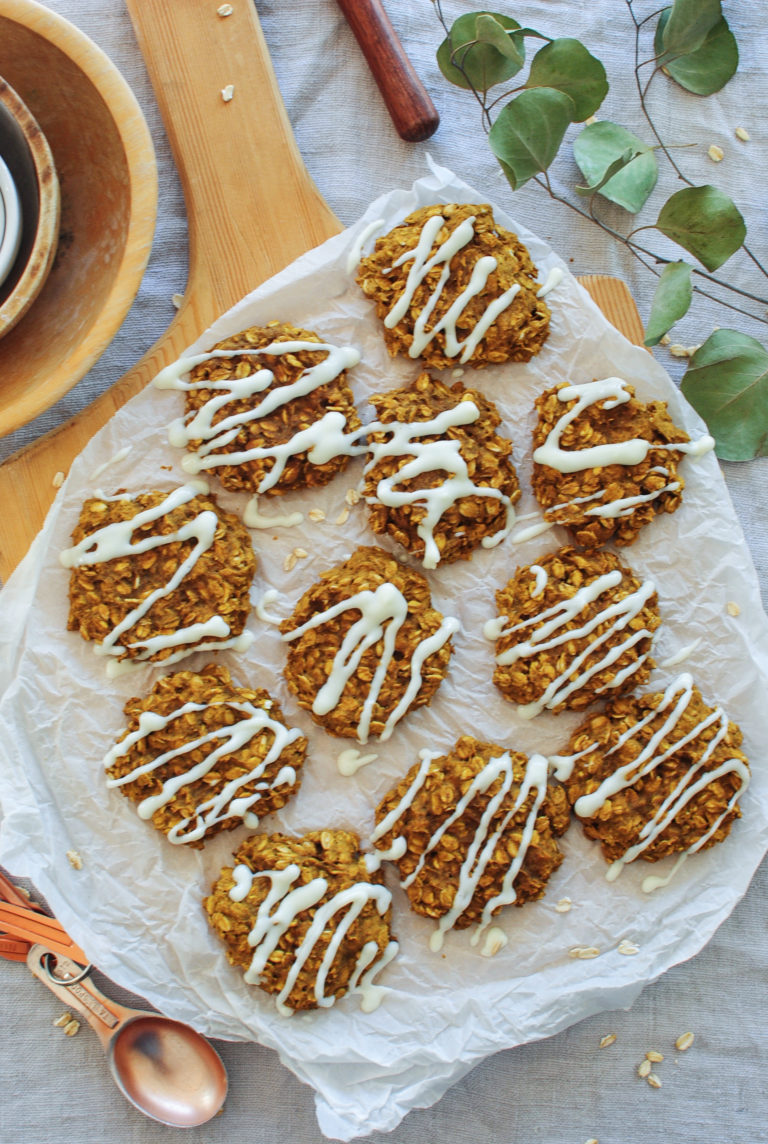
x=439, y=479
x=472, y=831
x=305, y=918
x=655, y=775
x=605, y=463
x=267, y=410
x=452, y=287
x=572, y=628
x=365, y=646
x=200, y=755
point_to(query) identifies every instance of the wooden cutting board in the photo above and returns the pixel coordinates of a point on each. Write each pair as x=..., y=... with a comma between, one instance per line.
x=252, y=208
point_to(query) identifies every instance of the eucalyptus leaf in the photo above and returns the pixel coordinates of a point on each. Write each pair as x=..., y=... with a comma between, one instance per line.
x=727, y=384
x=688, y=25
x=599, y=146
x=708, y=68
x=566, y=65
x=705, y=222
x=528, y=132
x=490, y=31
x=477, y=65
x=671, y=301
x=613, y=169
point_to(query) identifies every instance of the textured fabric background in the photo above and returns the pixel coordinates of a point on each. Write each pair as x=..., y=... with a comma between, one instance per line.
x=565, y=1090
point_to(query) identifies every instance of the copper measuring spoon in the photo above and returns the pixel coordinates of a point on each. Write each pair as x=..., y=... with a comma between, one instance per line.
x=163, y=1067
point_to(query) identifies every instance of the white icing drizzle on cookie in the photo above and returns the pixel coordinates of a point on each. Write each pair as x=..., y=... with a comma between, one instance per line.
x=358, y=246
x=225, y=802
x=421, y=266
x=555, y=633
x=663, y=743
x=281, y=907
x=482, y=846
x=116, y=540
x=611, y=392
x=325, y=439
x=444, y=455
x=541, y=578
x=553, y=279
x=382, y=614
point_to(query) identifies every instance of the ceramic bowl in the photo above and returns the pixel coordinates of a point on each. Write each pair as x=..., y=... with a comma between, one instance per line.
x=105, y=161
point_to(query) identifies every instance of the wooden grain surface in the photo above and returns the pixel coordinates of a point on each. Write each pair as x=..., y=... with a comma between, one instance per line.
x=266, y=214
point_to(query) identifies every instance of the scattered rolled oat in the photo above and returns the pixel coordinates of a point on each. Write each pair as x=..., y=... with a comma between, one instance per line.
x=679, y=351
x=627, y=948
x=684, y=1041
x=58, y=480
x=607, y=1040
x=228, y=92
x=74, y=860
x=72, y=1027
x=644, y=1068
x=343, y=516
x=716, y=153
x=62, y=1021
x=653, y=1080
x=300, y=553
x=592, y=119
x=177, y=299
x=225, y=10
x=352, y=496
x=316, y=514
x=564, y=905
x=584, y=951
x=593, y=1139
x=732, y=608
x=665, y=340
x=654, y=1056
x=290, y=561
x=742, y=133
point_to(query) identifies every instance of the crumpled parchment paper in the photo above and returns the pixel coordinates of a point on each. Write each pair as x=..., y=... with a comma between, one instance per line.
x=135, y=903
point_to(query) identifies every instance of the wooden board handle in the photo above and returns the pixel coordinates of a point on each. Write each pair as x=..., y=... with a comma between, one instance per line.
x=411, y=109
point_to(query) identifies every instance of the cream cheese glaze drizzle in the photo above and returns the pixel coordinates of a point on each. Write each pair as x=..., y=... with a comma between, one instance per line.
x=421, y=265
x=382, y=613
x=226, y=802
x=663, y=743
x=611, y=392
x=484, y=842
x=443, y=455
x=554, y=633
x=115, y=540
x=284, y=902
x=326, y=439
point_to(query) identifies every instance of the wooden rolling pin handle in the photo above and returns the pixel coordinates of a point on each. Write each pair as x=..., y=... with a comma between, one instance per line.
x=411, y=109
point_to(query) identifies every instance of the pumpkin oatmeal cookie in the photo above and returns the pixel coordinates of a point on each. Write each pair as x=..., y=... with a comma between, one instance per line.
x=365, y=646
x=571, y=628
x=439, y=479
x=267, y=409
x=451, y=286
x=200, y=755
x=472, y=831
x=654, y=775
x=605, y=464
x=334, y=928
x=158, y=575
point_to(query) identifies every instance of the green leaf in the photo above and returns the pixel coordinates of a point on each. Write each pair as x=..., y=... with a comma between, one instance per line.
x=528, y=132
x=705, y=222
x=613, y=168
x=670, y=302
x=567, y=66
x=490, y=31
x=708, y=68
x=474, y=64
x=688, y=25
x=599, y=146
x=727, y=384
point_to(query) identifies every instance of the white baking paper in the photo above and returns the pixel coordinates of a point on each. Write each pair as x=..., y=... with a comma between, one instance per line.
x=135, y=903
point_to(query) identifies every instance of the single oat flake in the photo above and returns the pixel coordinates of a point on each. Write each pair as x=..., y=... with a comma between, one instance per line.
x=227, y=93
x=62, y=1021
x=716, y=153
x=627, y=948
x=742, y=133
x=644, y=1068
x=653, y=1080
x=584, y=951
x=607, y=1040
x=225, y=10
x=654, y=1056
x=74, y=860
x=684, y=1041
x=732, y=608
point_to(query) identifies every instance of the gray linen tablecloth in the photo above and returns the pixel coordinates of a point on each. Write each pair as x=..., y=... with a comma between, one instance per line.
x=565, y=1090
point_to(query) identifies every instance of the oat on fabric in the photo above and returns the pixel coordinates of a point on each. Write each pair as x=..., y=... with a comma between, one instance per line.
x=606, y=463
x=472, y=831
x=158, y=575
x=451, y=286
x=200, y=755
x=571, y=628
x=304, y=918
x=267, y=410
x=365, y=645
x=655, y=774
x=439, y=479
